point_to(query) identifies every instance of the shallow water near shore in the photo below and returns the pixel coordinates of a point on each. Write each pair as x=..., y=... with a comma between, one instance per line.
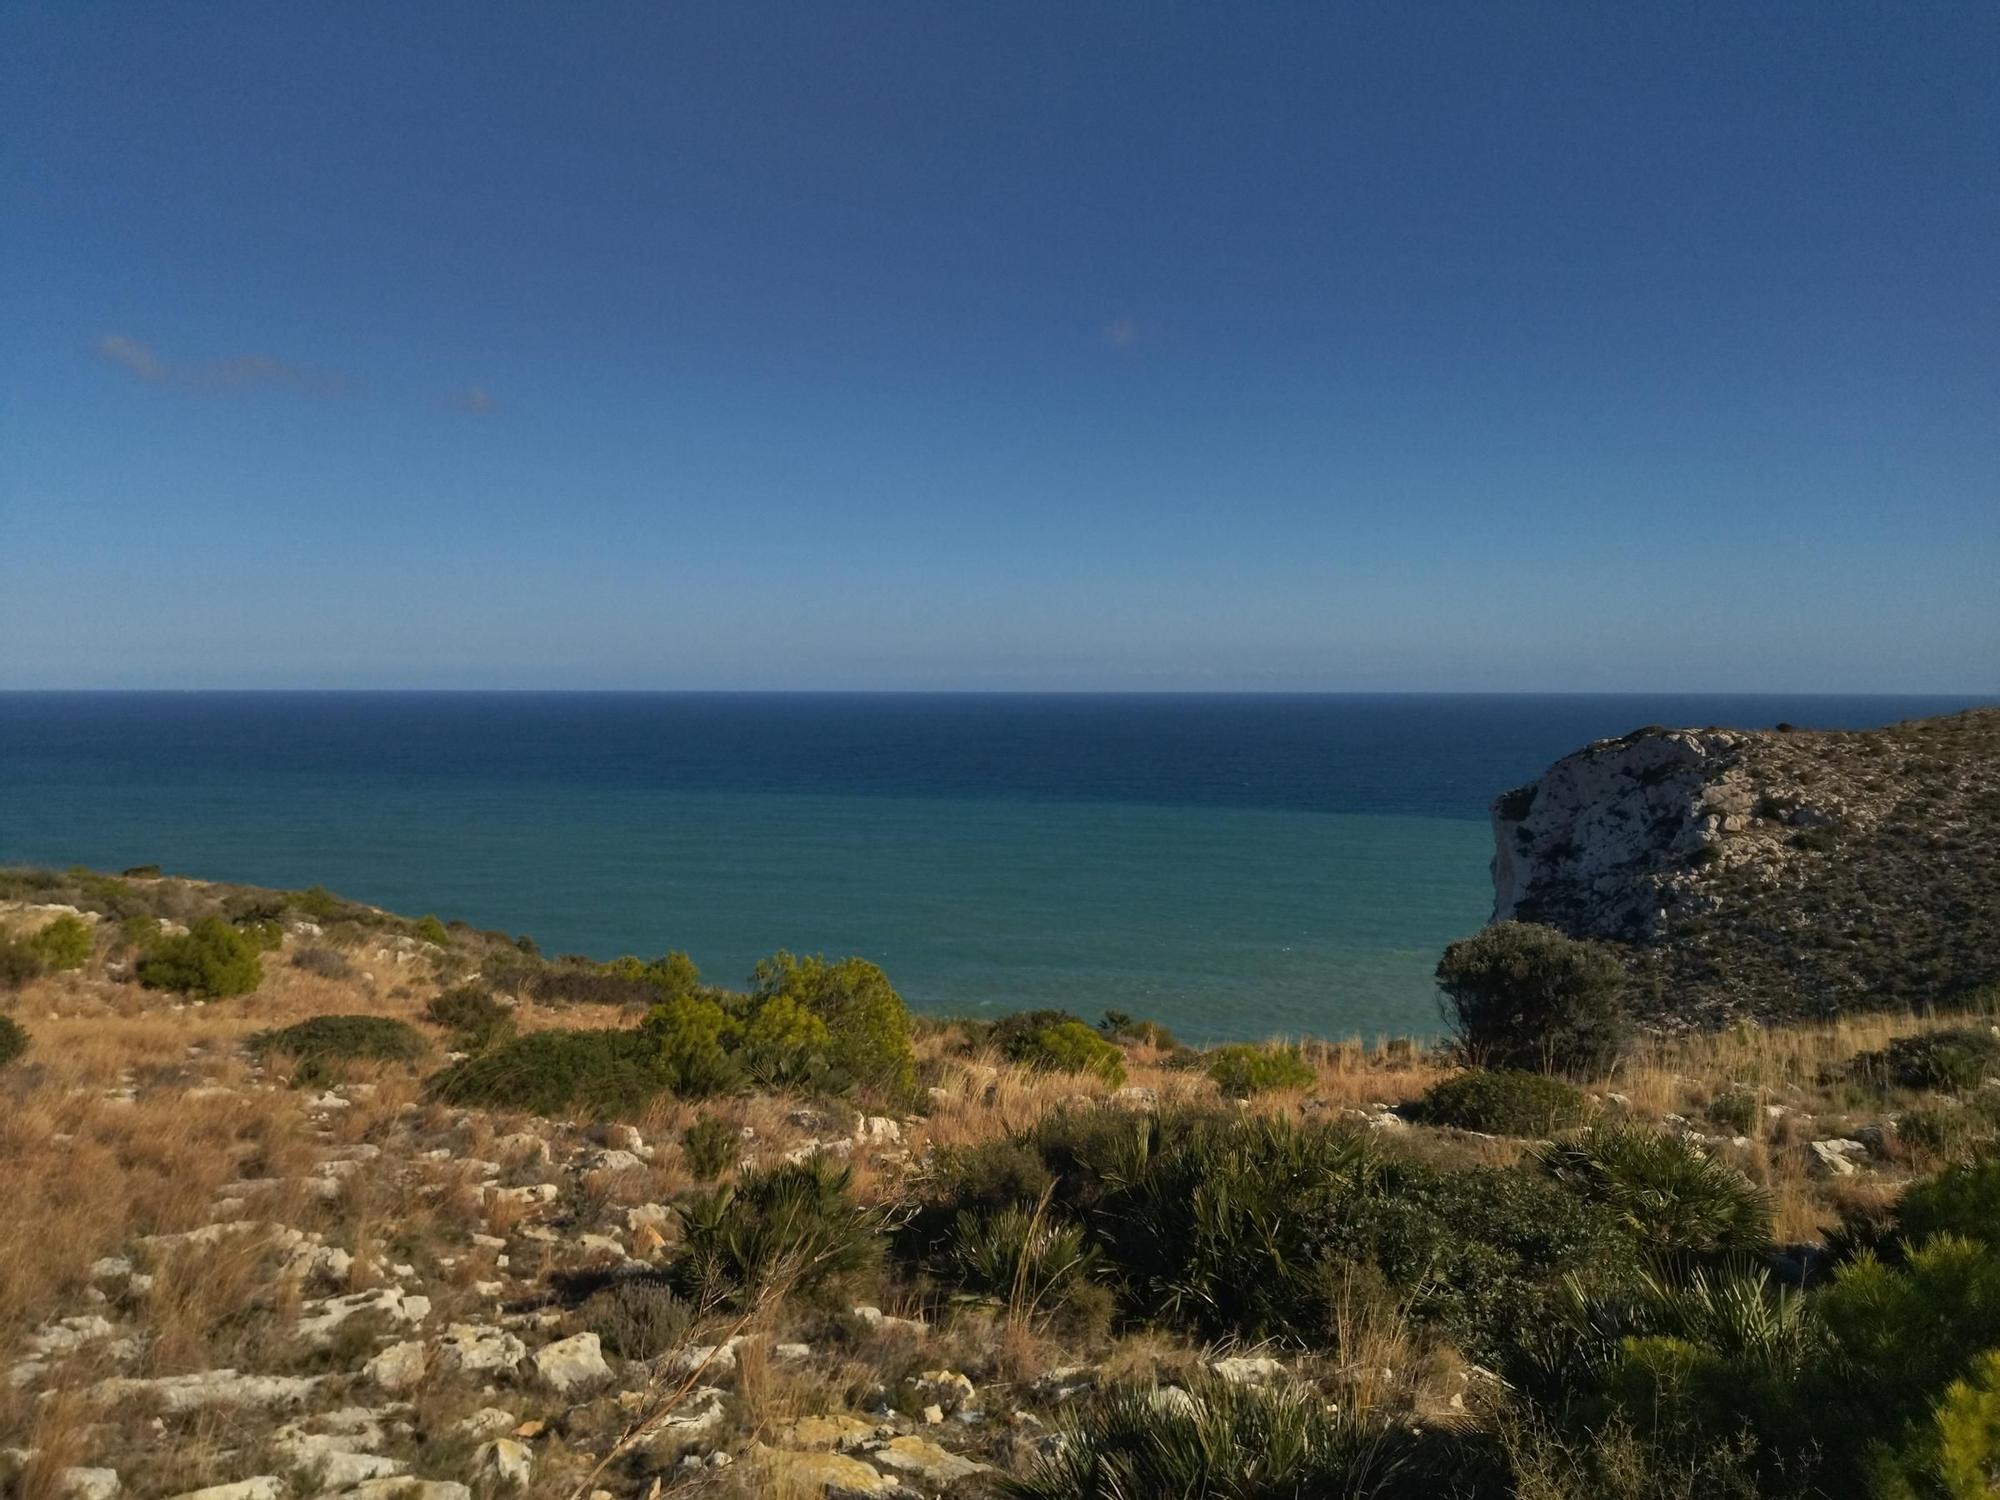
x=1232, y=866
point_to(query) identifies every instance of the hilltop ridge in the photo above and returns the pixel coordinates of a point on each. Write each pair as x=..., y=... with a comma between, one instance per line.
x=1770, y=873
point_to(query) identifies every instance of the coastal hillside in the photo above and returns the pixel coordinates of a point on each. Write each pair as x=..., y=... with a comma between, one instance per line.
x=1770, y=874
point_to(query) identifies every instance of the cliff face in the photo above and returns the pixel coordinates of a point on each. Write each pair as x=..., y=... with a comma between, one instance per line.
x=1770, y=873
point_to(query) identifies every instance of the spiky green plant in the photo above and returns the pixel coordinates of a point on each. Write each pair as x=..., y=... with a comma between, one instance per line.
x=794, y=1226
x=1027, y=1259
x=1666, y=1188
x=1225, y=1442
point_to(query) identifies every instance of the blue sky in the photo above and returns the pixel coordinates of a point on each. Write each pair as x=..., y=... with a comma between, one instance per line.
x=1433, y=346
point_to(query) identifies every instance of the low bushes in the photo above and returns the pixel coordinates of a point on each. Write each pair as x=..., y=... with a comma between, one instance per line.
x=794, y=1229
x=1503, y=1103
x=588, y=1074
x=64, y=943
x=1072, y=1047
x=1240, y=1071
x=1234, y=1442
x=474, y=1018
x=711, y=1147
x=13, y=1040
x=1669, y=1191
x=212, y=960
x=18, y=962
x=1950, y=1061
x=322, y=1043
x=328, y=963
x=868, y=1026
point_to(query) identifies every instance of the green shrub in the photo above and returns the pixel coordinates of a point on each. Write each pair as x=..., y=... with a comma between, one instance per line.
x=19, y=962
x=318, y=903
x=786, y=1046
x=867, y=1023
x=568, y=985
x=794, y=1228
x=1963, y=1199
x=1027, y=1260
x=588, y=1074
x=1014, y=1034
x=1503, y=1103
x=321, y=1043
x=1235, y=1442
x=474, y=1018
x=1739, y=1111
x=1949, y=1061
x=1240, y=1071
x=212, y=959
x=64, y=943
x=431, y=930
x=1954, y=1452
x=13, y=1040
x=1520, y=995
x=1669, y=1191
x=1072, y=1047
x=691, y=1037
x=711, y=1147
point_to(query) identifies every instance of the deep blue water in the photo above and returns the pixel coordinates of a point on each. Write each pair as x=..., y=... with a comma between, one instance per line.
x=1234, y=866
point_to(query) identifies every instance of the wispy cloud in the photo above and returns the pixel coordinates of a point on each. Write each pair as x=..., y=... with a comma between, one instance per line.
x=474, y=399
x=1121, y=333
x=242, y=372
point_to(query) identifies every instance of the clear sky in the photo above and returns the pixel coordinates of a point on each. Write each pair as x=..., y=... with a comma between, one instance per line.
x=1432, y=346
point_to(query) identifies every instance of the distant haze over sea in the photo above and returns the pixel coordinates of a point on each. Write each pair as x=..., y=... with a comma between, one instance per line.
x=1230, y=865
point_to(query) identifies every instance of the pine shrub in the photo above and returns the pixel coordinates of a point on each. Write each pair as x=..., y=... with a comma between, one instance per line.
x=1521, y=995
x=212, y=960
x=559, y=1073
x=711, y=1147
x=1669, y=1191
x=1240, y=1070
x=1506, y=1102
x=64, y=943
x=13, y=1040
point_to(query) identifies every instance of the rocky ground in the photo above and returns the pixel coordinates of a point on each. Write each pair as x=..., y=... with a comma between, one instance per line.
x=1771, y=874
x=219, y=1280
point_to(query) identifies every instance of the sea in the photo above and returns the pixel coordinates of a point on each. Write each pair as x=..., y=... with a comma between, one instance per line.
x=1232, y=866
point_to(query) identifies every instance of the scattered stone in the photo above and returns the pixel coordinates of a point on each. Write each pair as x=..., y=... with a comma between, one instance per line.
x=1836, y=1158
x=925, y=1460
x=835, y=1430
x=480, y=1350
x=488, y=1421
x=833, y=1475
x=944, y=1388
x=89, y=1484
x=504, y=1460
x=263, y=1487
x=878, y=1130
x=571, y=1365
x=1248, y=1369
x=177, y=1394
x=322, y=1320
x=400, y=1367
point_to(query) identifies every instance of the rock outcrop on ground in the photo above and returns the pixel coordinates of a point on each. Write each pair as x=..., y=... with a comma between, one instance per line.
x=1769, y=874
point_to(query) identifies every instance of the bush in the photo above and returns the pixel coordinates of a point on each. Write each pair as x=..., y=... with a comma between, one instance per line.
x=1669, y=1191
x=786, y=1046
x=1950, y=1061
x=318, y=903
x=690, y=1037
x=868, y=1025
x=64, y=943
x=328, y=963
x=1520, y=995
x=431, y=930
x=212, y=960
x=794, y=1229
x=1071, y=1047
x=590, y=1074
x=1233, y=1442
x=322, y=1043
x=13, y=1040
x=19, y=962
x=1955, y=1452
x=574, y=986
x=637, y=1318
x=1240, y=1071
x=474, y=1018
x=1962, y=1200
x=1032, y=1263
x=1503, y=1103
x=711, y=1147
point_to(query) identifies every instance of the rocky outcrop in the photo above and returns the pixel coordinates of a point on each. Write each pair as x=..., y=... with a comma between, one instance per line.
x=1770, y=873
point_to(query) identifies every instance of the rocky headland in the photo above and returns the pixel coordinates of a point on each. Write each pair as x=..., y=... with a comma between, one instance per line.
x=1769, y=874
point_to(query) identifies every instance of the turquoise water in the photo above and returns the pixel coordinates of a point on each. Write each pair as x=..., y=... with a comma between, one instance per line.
x=1230, y=866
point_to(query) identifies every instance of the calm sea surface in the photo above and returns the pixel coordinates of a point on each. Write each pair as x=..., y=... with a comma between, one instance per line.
x=1232, y=866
